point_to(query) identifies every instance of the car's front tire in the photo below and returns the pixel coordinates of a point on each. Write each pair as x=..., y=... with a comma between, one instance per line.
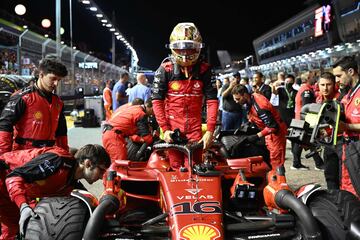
x=60, y=218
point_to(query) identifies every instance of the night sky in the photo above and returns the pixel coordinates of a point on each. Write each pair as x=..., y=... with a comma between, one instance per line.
x=224, y=25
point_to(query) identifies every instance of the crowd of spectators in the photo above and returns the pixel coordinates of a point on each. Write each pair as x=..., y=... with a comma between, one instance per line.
x=8, y=61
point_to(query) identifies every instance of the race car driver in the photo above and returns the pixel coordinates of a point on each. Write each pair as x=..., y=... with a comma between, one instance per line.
x=43, y=172
x=180, y=84
x=127, y=121
x=266, y=118
x=35, y=113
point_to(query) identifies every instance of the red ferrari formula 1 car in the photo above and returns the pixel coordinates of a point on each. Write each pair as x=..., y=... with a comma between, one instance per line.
x=221, y=196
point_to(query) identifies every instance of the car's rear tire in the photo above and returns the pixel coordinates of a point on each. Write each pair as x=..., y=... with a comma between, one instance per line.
x=60, y=218
x=335, y=210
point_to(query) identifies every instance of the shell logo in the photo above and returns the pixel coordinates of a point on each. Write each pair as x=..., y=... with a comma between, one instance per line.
x=38, y=115
x=175, y=86
x=199, y=232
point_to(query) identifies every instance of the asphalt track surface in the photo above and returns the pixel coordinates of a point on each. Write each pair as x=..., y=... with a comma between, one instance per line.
x=79, y=137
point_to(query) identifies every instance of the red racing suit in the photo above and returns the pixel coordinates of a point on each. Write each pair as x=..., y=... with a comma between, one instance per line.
x=178, y=101
x=304, y=96
x=30, y=174
x=321, y=99
x=36, y=119
x=351, y=105
x=126, y=121
x=267, y=118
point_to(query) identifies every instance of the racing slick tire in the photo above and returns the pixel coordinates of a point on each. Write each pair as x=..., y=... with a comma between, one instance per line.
x=60, y=218
x=335, y=211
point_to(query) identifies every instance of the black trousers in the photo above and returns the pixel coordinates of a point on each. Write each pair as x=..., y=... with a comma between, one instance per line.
x=296, y=150
x=332, y=160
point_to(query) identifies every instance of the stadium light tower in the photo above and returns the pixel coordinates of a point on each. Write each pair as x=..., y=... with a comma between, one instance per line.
x=58, y=25
x=20, y=9
x=106, y=22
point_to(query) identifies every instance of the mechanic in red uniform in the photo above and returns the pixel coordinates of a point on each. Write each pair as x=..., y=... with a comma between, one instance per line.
x=180, y=84
x=107, y=98
x=35, y=113
x=346, y=69
x=304, y=96
x=127, y=121
x=328, y=91
x=43, y=172
x=266, y=118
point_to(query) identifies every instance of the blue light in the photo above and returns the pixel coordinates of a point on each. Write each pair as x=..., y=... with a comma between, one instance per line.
x=352, y=11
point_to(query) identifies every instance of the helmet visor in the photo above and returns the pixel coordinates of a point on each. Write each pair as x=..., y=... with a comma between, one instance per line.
x=186, y=52
x=185, y=44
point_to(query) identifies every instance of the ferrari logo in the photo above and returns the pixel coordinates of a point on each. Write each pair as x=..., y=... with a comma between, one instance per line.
x=357, y=101
x=175, y=86
x=193, y=191
x=199, y=232
x=38, y=115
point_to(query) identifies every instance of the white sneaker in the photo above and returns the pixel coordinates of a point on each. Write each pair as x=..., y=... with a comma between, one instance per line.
x=300, y=168
x=319, y=168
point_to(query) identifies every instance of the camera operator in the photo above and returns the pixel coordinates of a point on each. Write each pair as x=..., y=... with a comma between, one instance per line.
x=231, y=111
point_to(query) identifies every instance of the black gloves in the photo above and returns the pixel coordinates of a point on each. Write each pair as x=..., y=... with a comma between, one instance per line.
x=252, y=138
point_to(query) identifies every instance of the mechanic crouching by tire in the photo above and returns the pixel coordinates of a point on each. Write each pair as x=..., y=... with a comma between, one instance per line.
x=180, y=84
x=127, y=121
x=35, y=113
x=346, y=69
x=43, y=172
x=266, y=118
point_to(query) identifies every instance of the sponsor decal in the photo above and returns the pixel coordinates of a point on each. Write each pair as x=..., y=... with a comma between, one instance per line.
x=175, y=86
x=38, y=115
x=199, y=232
x=193, y=191
x=188, y=197
x=197, y=207
x=187, y=180
x=196, y=85
x=357, y=101
x=355, y=113
x=265, y=236
x=10, y=106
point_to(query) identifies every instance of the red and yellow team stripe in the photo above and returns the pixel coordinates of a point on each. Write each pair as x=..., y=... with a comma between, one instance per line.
x=199, y=232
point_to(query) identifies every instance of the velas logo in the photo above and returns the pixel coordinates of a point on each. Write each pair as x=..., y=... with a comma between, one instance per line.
x=38, y=115
x=199, y=232
x=175, y=86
